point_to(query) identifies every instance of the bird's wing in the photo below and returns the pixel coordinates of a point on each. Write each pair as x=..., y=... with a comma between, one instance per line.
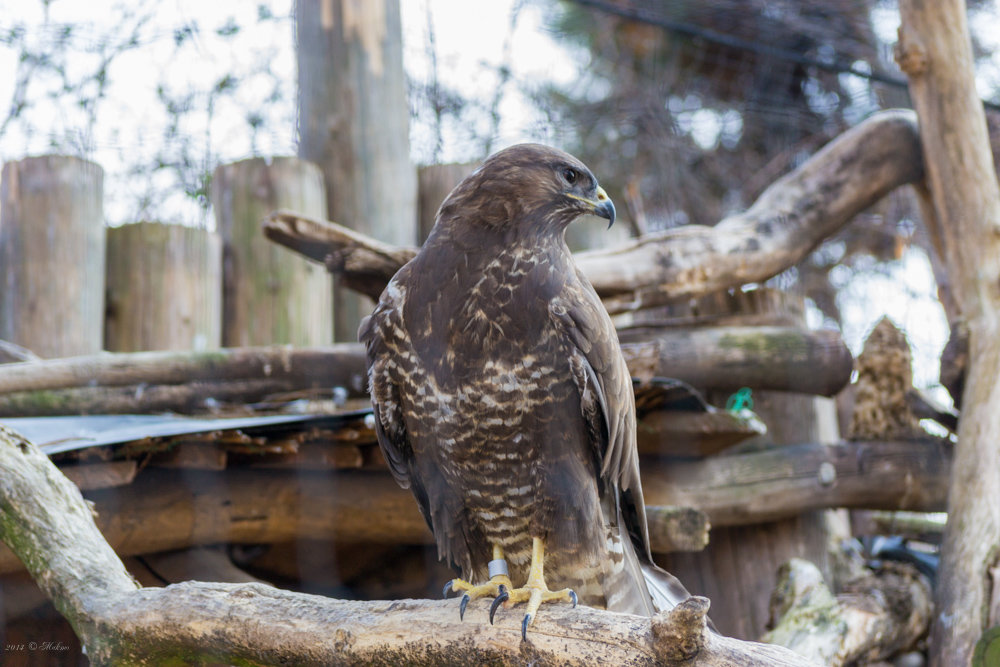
x=608, y=403
x=607, y=399
x=383, y=335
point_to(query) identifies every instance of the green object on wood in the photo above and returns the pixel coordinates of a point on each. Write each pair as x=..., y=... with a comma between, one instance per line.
x=987, y=652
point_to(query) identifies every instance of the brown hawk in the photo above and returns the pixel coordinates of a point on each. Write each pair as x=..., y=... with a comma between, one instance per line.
x=502, y=399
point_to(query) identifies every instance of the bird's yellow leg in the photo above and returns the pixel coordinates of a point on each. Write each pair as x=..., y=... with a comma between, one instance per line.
x=496, y=587
x=535, y=592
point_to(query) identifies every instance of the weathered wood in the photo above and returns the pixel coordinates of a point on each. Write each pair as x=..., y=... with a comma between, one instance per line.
x=44, y=518
x=209, y=563
x=673, y=529
x=918, y=526
x=90, y=476
x=258, y=506
x=955, y=361
x=360, y=263
x=9, y=353
x=875, y=617
x=935, y=52
x=333, y=365
x=141, y=398
x=354, y=124
x=693, y=434
x=776, y=358
x=52, y=254
x=164, y=288
x=269, y=295
x=788, y=220
x=744, y=489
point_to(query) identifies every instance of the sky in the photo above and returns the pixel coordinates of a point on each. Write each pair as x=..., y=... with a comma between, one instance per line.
x=472, y=41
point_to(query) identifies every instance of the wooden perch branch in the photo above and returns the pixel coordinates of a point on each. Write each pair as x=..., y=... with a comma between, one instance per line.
x=50, y=527
x=788, y=220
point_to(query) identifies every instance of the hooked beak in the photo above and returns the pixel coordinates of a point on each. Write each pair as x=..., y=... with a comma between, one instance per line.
x=604, y=207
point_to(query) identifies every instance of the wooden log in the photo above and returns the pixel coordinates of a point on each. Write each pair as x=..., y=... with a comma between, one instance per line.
x=935, y=52
x=875, y=617
x=164, y=288
x=354, y=124
x=254, y=506
x=693, y=434
x=188, y=398
x=44, y=518
x=52, y=254
x=333, y=365
x=9, y=353
x=775, y=358
x=269, y=295
x=90, y=476
x=788, y=220
x=746, y=489
x=673, y=529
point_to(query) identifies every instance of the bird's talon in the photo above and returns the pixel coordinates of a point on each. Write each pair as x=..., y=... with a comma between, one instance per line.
x=462, y=606
x=524, y=627
x=572, y=598
x=447, y=589
x=502, y=596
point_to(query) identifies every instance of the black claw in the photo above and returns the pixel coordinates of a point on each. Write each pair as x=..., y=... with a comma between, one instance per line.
x=502, y=596
x=524, y=627
x=572, y=596
x=447, y=589
x=462, y=606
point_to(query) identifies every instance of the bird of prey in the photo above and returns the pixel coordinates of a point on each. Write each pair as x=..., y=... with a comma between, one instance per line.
x=502, y=399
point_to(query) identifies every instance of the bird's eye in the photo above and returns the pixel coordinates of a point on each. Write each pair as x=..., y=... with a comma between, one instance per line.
x=570, y=175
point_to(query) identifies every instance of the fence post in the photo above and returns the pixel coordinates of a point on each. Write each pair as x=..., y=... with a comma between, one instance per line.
x=270, y=294
x=164, y=288
x=52, y=255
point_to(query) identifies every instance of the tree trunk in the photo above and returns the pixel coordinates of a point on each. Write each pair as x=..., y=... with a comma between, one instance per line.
x=935, y=52
x=354, y=123
x=164, y=288
x=52, y=255
x=269, y=296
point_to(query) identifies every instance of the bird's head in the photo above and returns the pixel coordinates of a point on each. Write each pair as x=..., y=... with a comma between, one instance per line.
x=529, y=186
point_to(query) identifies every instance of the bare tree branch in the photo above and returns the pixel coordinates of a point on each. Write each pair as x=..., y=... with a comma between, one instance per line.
x=44, y=519
x=788, y=220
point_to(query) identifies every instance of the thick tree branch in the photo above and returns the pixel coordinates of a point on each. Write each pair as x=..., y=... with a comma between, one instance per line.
x=935, y=51
x=788, y=220
x=50, y=527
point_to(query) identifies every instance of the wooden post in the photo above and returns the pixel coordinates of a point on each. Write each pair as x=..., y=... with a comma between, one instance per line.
x=269, y=294
x=354, y=123
x=935, y=51
x=52, y=255
x=737, y=570
x=164, y=288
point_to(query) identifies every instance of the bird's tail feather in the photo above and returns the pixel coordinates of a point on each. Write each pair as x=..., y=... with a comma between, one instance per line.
x=665, y=589
x=624, y=586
